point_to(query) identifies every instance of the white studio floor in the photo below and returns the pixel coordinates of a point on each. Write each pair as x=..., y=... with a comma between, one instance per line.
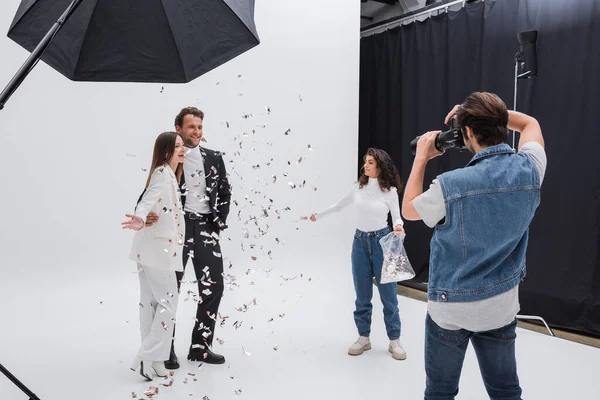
x=75, y=339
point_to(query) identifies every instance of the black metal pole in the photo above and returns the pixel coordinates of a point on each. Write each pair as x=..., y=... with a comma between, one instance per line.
x=36, y=54
x=14, y=380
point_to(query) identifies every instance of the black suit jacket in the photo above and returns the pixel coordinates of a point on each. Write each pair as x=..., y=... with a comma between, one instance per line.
x=217, y=186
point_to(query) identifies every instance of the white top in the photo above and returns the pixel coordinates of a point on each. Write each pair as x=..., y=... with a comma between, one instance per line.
x=197, y=200
x=481, y=315
x=373, y=206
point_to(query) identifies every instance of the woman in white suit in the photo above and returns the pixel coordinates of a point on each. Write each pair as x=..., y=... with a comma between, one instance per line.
x=157, y=249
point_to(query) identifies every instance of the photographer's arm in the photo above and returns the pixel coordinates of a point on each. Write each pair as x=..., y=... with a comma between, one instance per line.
x=413, y=189
x=528, y=126
x=426, y=150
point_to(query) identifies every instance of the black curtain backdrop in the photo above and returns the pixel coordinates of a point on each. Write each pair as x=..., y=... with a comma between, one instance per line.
x=411, y=76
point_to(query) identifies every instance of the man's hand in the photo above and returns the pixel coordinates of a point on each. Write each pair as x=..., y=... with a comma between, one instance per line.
x=426, y=149
x=151, y=219
x=451, y=114
x=313, y=217
x=398, y=230
x=135, y=223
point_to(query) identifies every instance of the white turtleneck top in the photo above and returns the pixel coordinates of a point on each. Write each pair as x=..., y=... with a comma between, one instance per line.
x=372, y=204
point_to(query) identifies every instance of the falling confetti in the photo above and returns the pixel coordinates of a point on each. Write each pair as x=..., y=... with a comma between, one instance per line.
x=152, y=391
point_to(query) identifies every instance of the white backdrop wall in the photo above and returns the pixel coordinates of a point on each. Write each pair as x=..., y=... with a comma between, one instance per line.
x=74, y=153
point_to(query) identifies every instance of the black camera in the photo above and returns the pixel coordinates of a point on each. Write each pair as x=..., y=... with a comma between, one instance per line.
x=450, y=139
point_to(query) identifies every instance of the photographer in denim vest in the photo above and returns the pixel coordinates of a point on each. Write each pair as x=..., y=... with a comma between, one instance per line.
x=481, y=214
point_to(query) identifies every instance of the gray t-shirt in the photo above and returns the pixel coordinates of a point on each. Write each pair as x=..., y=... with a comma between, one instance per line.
x=481, y=315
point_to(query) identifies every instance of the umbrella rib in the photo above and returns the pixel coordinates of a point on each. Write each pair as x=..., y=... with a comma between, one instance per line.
x=174, y=41
x=87, y=29
x=16, y=21
x=243, y=23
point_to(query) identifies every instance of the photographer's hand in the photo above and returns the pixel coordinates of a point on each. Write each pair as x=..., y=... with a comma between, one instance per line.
x=451, y=114
x=426, y=149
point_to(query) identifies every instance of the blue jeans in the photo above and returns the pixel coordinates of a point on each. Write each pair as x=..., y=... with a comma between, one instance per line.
x=445, y=353
x=367, y=260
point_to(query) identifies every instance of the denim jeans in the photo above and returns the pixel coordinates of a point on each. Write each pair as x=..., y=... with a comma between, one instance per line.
x=445, y=353
x=367, y=260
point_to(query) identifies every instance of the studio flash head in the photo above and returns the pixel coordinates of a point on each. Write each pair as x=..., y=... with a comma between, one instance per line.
x=527, y=55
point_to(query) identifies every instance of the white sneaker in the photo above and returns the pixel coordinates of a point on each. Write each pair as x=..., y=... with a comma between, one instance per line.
x=397, y=350
x=360, y=346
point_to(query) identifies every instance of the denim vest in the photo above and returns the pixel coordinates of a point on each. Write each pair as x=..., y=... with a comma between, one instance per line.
x=479, y=250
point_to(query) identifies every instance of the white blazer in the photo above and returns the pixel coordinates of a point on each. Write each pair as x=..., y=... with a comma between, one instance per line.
x=161, y=245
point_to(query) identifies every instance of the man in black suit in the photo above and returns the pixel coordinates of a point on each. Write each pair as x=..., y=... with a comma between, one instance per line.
x=205, y=199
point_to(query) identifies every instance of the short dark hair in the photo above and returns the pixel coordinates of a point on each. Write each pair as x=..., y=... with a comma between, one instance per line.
x=486, y=114
x=187, y=111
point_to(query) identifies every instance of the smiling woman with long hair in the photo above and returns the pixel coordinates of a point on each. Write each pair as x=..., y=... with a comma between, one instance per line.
x=375, y=196
x=157, y=250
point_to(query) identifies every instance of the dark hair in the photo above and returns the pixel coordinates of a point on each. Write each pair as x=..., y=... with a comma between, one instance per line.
x=388, y=173
x=164, y=148
x=486, y=114
x=187, y=111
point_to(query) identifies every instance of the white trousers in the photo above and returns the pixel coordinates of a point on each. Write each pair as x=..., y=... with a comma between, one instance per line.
x=158, y=307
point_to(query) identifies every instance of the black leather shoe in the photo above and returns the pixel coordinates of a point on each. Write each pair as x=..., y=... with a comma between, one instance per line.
x=206, y=356
x=172, y=362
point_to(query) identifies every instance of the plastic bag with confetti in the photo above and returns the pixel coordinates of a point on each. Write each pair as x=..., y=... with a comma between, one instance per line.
x=396, y=266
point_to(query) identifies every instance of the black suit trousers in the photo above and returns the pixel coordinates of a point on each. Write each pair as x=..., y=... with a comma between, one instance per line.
x=202, y=246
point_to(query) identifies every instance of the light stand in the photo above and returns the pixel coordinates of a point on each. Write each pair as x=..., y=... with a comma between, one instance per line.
x=18, y=383
x=526, y=68
x=15, y=82
x=525, y=64
x=36, y=54
x=518, y=60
